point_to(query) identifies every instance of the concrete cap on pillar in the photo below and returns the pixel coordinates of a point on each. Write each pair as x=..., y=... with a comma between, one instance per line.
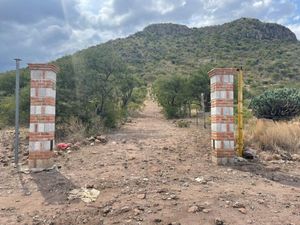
x=222, y=71
x=41, y=66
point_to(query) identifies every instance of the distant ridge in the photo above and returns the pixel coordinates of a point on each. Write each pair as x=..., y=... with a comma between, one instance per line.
x=268, y=52
x=244, y=28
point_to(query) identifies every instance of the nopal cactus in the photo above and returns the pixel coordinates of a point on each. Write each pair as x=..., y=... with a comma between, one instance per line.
x=278, y=104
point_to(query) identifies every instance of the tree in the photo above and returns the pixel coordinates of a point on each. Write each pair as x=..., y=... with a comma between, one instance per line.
x=171, y=93
x=198, y=83
x=104, y=87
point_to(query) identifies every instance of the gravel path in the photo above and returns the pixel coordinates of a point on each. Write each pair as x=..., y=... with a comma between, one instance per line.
x=152, y=172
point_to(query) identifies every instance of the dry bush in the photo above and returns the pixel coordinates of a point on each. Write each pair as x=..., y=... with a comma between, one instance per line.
x=72, y=131
x=183, y=123
x=274, y=136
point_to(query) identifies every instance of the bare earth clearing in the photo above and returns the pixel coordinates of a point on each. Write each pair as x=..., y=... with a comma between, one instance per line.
x=146, y=175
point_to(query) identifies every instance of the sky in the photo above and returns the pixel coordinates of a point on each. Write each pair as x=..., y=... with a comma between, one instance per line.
x=38, y=31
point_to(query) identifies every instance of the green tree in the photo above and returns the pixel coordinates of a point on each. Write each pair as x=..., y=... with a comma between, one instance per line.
x=198, y=83
x=171, y=93
x=8, y=107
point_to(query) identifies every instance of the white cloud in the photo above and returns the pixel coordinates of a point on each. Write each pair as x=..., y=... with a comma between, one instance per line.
x=262, y=3
x=296, y=29
x=161, y=6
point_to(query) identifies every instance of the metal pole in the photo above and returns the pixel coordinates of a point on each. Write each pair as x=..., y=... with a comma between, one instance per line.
x=197, y=117
x=17, y=112
x=240, y=113
x=203, y=108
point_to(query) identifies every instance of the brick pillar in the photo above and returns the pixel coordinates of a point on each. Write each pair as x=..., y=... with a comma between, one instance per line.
x=222, y=116
x=42, y=115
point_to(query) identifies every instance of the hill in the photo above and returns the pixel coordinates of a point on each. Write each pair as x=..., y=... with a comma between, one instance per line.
x=268, y=52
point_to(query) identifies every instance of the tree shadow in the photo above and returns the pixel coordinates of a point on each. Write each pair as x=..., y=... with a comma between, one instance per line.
x=53, y=186
x=269, y=172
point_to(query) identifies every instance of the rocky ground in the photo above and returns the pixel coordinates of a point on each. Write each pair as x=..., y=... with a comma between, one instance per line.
x=150, y=172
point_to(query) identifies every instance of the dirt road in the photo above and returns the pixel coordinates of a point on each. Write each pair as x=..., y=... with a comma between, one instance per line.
x=152, y=172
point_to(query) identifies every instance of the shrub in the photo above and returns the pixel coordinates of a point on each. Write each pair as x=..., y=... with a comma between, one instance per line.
x=278, y=104
x=171, y=93
x=7, y=109
x=72, y=130
x=177, y=93
x=183, y=123
x=276, y=136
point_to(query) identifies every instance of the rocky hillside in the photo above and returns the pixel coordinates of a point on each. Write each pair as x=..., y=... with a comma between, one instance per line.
x=268, y=52
x=253, y=29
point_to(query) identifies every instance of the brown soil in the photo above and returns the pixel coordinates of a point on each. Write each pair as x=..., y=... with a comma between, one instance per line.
x=146, y=175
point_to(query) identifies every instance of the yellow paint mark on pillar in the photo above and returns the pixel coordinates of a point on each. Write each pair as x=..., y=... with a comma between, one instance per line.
x=240, y=113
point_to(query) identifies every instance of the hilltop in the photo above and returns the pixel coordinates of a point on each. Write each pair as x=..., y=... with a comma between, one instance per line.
x=268, y=52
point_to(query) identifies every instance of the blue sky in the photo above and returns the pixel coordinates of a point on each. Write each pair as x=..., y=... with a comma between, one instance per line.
x=42, y=30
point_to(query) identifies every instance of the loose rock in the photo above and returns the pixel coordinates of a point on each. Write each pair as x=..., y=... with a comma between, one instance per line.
x=141, y=196
x=242, y=210
x=219, y=221
x=193, y=209
x=238, y=205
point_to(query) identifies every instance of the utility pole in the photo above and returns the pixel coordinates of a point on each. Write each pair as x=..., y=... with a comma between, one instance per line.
x=17, y=112
x=240, y=113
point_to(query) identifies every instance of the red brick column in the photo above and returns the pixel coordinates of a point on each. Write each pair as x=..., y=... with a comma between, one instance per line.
x=42, y=115
x=222, y=116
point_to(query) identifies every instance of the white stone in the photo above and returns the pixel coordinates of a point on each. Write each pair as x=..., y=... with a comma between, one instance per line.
x=34, y=145
x=34, y=110
x=223, y=127
x=41, y=127
x=36, y=74
x=213, y=95
x=230, y=95
x=49, y=110
x=231, y=79
x=219, y=95
x=42, y=92
x=218, y=144
x=213, y=79
x=50, y=92
x=45, y=92
x=45, y=145
x=31, y=127
x=213, y=111
x=49, y=127
x=228, y=144
x=225, y=78
x=40, y=145
x=227, y=111
x=32, y=92
x=50, y=75
x=213, y=127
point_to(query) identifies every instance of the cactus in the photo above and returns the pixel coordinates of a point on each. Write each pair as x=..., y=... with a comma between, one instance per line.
x=278, y=104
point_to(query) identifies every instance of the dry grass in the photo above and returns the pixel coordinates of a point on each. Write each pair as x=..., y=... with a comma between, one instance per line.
x=274, y=136
x=72, y=131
